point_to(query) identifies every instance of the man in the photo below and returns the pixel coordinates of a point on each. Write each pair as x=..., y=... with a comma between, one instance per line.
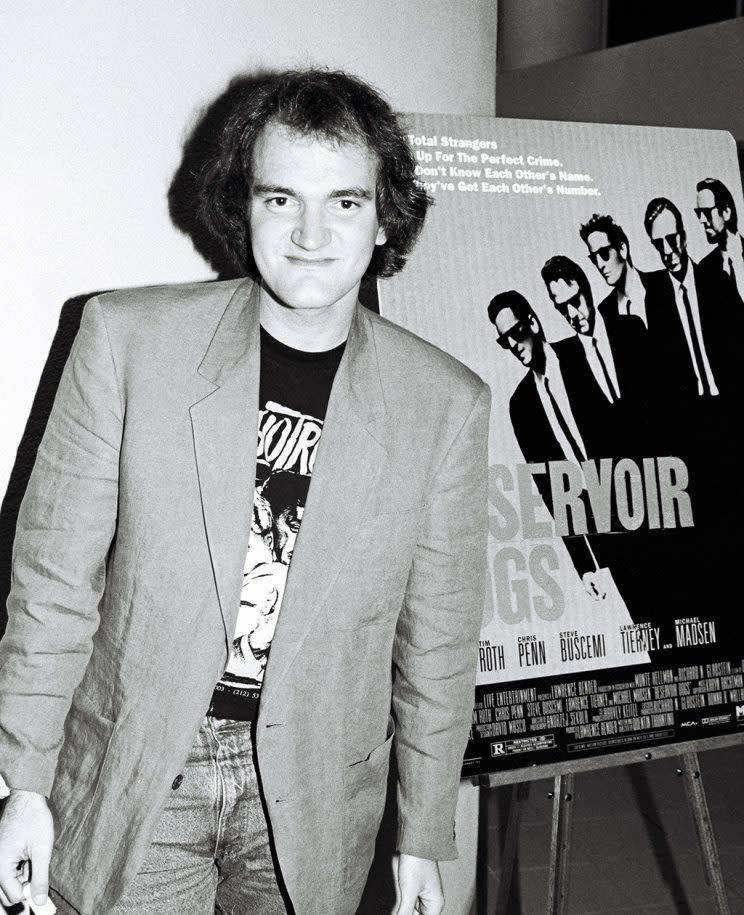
x=694, y=334
x=614, y=351
x=609, y=251
x=716, y=211
x=617, y=359
x=546, y=425
x=694, y=320
x=133, y=542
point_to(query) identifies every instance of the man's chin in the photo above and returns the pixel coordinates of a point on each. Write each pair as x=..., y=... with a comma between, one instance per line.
x=309, y=296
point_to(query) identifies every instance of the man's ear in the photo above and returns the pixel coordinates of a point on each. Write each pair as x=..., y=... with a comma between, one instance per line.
x=726, y=215
x=381, y=237
x=623, y=249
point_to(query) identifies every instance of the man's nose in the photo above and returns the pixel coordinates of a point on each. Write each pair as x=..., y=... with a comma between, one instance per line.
x=311, y=231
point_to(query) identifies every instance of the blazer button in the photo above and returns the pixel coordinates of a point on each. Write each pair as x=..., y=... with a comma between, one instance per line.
x=177, y=782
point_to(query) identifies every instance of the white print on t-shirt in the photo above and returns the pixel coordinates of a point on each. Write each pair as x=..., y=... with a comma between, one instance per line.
x=287, y=440
x=287, y=443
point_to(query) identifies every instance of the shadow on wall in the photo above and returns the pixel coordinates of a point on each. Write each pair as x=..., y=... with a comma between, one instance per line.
x=199, y=150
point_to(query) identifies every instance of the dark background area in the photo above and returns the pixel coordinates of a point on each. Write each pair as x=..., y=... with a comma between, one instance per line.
x=636, y=20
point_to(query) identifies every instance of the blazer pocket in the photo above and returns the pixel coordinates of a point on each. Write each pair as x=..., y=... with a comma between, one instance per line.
x=85, y=748
x=389, y=509
x=365, y=789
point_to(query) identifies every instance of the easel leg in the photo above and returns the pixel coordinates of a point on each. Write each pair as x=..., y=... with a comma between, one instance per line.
x=709, y=850
x=560, y=843
x=519, y=794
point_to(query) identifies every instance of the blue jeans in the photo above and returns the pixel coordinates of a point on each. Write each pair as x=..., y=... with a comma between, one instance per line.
x=210, y=851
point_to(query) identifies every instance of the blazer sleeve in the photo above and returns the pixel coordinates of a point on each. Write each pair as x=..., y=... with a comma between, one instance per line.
x=435, y=648
x=65, y=527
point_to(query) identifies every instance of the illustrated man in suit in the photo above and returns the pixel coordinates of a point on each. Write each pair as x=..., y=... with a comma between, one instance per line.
x=694, y=317
x=614, y=349
x=558, y=412
x=716, y=211
x=618, y=360
x=609, y=251
x=694, y=334
x=134, y=537
x=546, y=423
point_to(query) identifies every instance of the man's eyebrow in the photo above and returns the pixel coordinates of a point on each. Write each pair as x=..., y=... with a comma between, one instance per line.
x=362, y=193
x=273, y=189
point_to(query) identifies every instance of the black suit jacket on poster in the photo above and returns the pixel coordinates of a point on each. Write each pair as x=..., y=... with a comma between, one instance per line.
x=535, y=435
x=602, y=427
x=702, y=430
x=609, y=307
x=601, y=423
x=636, y=416
x=627, y=336
x=713, y=261
x=721, y=321
x=588, y=405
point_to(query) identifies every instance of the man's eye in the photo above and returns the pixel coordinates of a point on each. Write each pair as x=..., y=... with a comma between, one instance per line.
x=278, y=203
x=347, y=204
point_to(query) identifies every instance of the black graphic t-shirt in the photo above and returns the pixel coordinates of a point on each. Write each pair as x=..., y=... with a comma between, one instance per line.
x=293, y=396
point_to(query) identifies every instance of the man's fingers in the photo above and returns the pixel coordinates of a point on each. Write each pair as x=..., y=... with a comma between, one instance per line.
x=11, y=888
x=412, y=905
x=430, y=901
x=406, y=904
x=41, y=854
x=431, y=906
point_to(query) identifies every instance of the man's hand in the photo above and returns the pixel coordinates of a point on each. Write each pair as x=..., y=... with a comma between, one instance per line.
x=26, y=834
x=418, y=886
x=593, y=585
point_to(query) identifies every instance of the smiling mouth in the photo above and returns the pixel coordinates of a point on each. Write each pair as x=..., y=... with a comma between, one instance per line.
x=309, y=261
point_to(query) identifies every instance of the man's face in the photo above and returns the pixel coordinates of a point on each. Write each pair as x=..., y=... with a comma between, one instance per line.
x=312, y=218
x=669, y=243
x=519, y=336
x=609, y=260
x=572, y=304
x=288, y=526
x=711, y=218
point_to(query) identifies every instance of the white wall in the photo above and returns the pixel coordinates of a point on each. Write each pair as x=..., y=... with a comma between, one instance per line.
x=96, y=100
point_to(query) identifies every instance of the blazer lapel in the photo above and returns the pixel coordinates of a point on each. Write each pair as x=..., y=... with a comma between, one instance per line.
x=224, y=424
x=349, y=462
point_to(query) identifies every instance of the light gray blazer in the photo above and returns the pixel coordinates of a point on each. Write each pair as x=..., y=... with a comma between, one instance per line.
x=127, y=571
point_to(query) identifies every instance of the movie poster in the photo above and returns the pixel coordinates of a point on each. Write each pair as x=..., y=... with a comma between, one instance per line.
x=593, y=275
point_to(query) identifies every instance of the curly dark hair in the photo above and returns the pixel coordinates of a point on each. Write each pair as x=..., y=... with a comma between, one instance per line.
x=561, y=267
x=329, y=104
x=615, y=234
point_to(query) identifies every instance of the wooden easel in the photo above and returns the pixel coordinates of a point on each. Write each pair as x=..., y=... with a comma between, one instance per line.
x=564, y=780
